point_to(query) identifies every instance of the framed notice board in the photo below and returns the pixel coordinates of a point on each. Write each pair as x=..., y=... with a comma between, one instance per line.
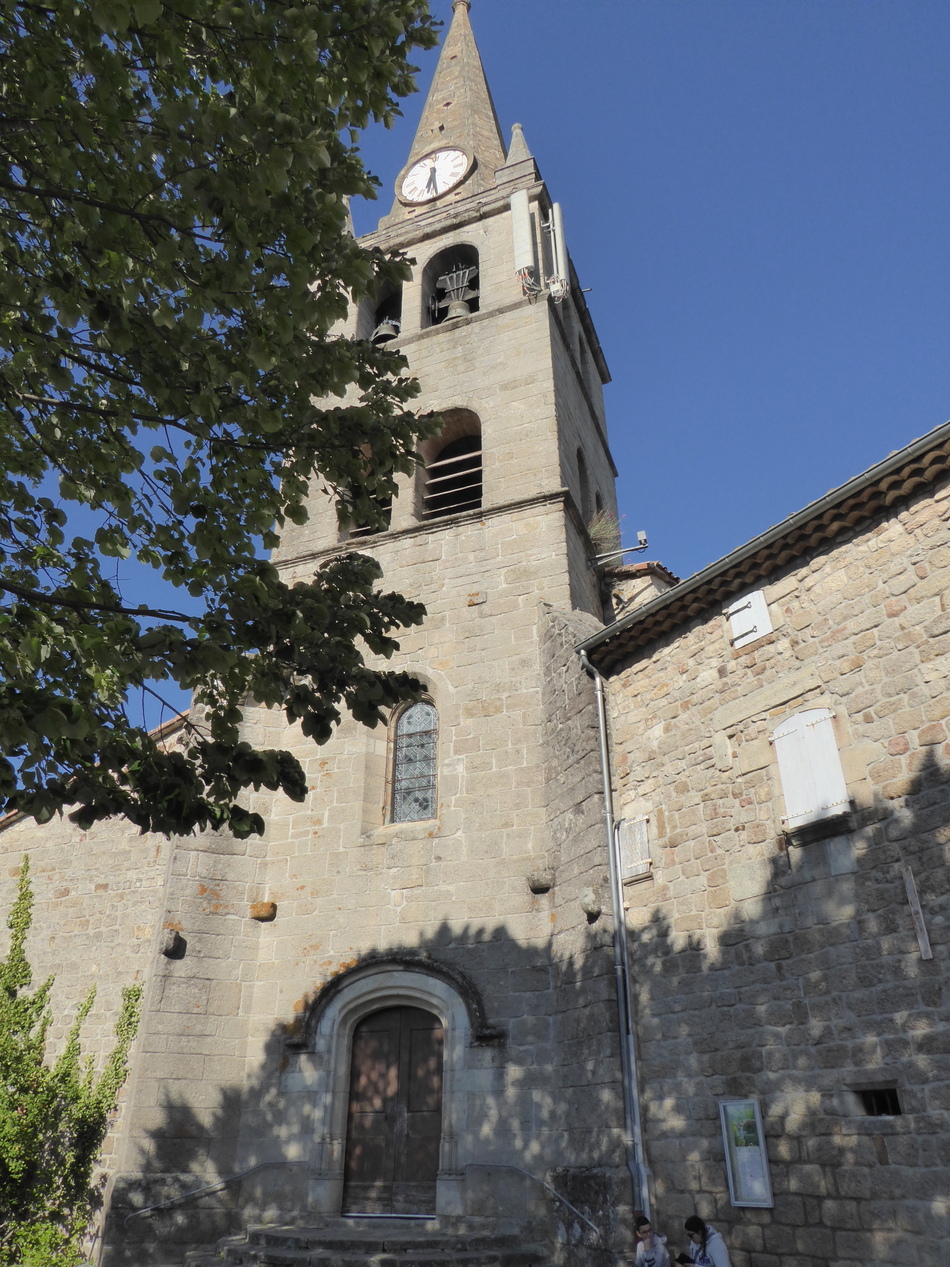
x=747, y=1164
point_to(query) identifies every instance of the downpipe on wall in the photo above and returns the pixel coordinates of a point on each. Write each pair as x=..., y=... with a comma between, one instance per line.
x=633, y=1134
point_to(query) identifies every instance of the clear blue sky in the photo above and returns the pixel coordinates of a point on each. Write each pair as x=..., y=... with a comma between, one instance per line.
x=758, y=194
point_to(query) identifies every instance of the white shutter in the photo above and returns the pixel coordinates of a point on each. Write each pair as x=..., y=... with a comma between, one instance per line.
x=749, y=618
x=635, y=860
x=810, y=768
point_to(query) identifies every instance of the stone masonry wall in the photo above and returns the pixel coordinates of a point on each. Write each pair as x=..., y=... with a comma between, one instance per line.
x=97, y=921
x=794, y=974
x=584, y=1037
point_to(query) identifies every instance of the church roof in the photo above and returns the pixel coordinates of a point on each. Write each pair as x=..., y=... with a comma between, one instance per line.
x=919, y=465
x=459, y=111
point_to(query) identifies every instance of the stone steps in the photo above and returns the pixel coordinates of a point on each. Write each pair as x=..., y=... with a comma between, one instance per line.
x=378, y=1246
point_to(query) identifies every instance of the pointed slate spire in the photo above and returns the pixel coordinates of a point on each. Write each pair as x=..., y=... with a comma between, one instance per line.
x=459, y=111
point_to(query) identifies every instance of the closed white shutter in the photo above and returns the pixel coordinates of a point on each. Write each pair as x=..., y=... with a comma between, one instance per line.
x=810, y=768
x=635, y=860
x=749, y=618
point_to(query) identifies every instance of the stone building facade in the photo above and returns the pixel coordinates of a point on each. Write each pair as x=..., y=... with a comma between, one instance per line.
x=789, y=961
x=273, y=967
x=445, y=893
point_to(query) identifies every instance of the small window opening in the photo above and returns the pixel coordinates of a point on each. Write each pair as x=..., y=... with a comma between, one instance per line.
x=454, y=479
x=366, y=529
x=880, y=1102
x=584, y=482
x=450, y=285
x=415, y=763
x=583, y=356
x=387, y=319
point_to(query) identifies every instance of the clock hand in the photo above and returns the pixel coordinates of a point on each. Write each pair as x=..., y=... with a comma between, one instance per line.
x=433, y=184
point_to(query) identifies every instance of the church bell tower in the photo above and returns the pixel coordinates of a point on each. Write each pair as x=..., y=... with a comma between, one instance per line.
x=447, y=859
x=428, y=1019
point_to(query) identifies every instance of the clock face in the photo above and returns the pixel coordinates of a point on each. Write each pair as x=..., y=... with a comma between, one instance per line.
x=434, y=175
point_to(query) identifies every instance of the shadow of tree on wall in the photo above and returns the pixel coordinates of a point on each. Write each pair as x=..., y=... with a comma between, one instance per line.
x=810, y=991
x=555, y=1021
x=805, y=992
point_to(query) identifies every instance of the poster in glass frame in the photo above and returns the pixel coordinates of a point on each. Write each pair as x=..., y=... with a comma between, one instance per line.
x=747, y=1163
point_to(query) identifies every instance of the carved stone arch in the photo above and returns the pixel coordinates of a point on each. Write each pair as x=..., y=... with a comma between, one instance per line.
x=450, y=283
x=394, y=981
x=451, y=479
x=353, y=983
x=437, y=686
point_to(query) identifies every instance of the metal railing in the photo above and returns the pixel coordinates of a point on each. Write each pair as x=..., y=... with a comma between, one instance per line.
x=243, y=1174
x=208, y=1187
x=501, y=1165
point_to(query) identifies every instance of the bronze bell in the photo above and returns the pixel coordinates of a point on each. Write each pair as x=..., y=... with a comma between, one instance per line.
x=386, y=330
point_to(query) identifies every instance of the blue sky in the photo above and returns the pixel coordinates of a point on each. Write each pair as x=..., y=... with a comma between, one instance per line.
x=757, y=193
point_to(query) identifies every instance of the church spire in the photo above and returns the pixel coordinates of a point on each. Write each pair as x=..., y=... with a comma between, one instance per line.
x=459, y=111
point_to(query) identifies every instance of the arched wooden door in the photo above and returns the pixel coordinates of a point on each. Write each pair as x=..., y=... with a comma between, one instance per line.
x=394, y=1117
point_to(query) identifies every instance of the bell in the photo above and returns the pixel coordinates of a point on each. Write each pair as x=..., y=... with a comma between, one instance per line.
x=385, y=331
x=458, y=308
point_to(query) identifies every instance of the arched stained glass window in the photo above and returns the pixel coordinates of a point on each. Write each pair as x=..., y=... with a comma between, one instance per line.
x=414, y=764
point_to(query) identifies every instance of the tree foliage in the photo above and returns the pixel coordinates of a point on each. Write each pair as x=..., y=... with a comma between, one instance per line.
x=173, y=192
x=53, y=1118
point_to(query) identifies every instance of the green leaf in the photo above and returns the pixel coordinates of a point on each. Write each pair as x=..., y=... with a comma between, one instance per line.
x=147, y=11
x=169, y=366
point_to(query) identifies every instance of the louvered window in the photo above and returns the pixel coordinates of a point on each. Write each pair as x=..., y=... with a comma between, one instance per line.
x=810, y=769
x=454, y=479
x=415, y=764
x=385, y=505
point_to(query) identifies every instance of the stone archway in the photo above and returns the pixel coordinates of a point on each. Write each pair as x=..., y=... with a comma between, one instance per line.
x=364, y=992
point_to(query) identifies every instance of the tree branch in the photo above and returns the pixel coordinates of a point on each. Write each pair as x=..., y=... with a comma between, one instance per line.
x=75, y=604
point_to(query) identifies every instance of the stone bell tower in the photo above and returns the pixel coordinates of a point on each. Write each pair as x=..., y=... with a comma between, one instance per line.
x=428, y=1020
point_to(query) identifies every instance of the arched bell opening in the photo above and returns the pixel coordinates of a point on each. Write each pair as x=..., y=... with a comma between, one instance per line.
x=380, y=523
x=376, y=518
x=583, y=480
x=387, y=318
x=450, y=285
x=453, y=467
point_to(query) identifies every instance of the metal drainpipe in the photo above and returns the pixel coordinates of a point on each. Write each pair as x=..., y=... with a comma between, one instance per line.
x=633, y=1133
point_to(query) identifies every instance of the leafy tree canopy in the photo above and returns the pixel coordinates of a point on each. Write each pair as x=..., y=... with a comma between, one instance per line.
x=53, y=1117
x=173, y=192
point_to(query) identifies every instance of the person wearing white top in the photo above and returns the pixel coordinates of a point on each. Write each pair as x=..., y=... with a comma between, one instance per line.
x=651, y=1247
x=706, y=1246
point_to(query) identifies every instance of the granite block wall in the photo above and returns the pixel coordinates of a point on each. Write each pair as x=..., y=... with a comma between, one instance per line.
x=787, y=971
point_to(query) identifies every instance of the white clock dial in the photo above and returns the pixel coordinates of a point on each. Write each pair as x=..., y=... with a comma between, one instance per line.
x=434, y=175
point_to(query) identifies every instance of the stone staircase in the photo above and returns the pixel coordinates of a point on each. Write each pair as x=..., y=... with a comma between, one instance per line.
x=375, y=1242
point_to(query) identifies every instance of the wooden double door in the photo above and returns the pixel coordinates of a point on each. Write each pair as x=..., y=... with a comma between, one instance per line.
x=394, y=1116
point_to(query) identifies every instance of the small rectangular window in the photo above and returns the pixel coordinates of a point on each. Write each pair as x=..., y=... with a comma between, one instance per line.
x=749, y=619
x=635, y=860
x=880, y=1101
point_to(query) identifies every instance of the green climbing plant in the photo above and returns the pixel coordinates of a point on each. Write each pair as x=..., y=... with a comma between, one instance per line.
x=53, y=1116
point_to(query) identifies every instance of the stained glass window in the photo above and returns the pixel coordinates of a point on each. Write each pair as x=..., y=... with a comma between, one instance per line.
x=414, y=764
